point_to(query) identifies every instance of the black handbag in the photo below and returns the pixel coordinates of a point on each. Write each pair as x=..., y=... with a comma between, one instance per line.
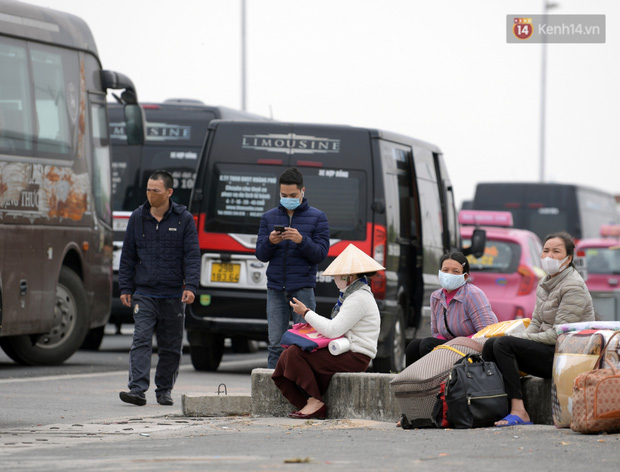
x=475, y=393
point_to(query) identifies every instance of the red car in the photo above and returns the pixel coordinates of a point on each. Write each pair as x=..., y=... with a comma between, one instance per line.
x=603, y=269
x=509, y=270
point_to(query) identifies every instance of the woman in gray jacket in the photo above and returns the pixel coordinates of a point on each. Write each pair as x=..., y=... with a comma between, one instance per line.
x=561, y=297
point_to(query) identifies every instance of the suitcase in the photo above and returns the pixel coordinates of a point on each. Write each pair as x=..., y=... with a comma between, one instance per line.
x=416, y=387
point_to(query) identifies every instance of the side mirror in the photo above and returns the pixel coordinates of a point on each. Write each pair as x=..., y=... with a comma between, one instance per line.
x=478, y=242
x=134, y=124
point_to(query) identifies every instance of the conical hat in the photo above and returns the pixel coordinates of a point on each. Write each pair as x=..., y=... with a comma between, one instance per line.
x=352, y=261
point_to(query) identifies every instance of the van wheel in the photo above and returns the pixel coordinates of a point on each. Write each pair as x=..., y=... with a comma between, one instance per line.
x=93, y=339
x=397, y=341
x=207, y=355
x=68, y=331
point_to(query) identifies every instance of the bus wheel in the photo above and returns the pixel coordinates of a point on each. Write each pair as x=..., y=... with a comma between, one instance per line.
x=207, y=355
x=397, y=341
x=68, y=331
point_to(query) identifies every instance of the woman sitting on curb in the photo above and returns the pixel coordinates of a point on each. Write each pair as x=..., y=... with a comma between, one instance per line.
x=302, y=376
x=561, y=297
x=457, y=309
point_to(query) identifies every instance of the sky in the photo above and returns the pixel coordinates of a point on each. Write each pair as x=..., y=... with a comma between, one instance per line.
x=440, y=71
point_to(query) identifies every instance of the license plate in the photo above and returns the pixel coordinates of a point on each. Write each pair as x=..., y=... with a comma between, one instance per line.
x=225, y=272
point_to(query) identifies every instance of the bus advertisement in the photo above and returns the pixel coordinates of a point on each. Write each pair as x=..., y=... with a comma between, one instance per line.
x=55, y=183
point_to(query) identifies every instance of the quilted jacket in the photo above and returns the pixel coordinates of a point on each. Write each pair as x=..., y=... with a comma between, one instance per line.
x=561, y=299
x=293, y=266
x=160, y=258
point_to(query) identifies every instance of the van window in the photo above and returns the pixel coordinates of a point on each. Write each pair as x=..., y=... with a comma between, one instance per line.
x=240, y=194
x=499, y=256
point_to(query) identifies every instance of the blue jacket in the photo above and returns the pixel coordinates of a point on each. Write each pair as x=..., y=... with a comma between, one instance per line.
x=160, y=258
x=293, y=266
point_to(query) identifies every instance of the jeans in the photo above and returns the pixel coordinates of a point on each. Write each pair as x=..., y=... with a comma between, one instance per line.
x=165, y=318
x=279, y=313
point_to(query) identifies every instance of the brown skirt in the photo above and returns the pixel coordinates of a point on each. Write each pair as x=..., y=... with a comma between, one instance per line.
x=312, y=371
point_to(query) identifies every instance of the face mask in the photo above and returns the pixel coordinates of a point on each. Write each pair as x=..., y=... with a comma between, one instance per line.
x=451, y=281
x=291, y=203
x=341, y=282
x=552, y=266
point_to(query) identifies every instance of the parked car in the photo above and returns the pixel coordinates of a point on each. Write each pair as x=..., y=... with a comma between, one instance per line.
x=603, y=271
x=509, y=270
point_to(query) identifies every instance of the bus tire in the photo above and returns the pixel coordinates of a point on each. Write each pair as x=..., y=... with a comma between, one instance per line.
x=67, y=334
x=395, y=362
x=207, y=355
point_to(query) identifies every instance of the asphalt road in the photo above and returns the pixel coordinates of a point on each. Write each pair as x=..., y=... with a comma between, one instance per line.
x=70, y=418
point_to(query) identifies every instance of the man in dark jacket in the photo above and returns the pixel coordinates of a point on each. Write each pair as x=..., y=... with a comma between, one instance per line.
x=158, y=275
x=294, y=239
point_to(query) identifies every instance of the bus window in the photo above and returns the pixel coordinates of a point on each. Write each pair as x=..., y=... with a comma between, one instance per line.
x=102, y=185
x=15, y=118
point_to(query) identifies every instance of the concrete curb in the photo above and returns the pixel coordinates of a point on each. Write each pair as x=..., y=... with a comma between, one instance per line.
x=349, y=395
x=216, y=405
x=364, y=395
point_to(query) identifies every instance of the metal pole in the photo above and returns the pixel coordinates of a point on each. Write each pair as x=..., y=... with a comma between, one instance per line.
x=243, y=57
x=543, y=97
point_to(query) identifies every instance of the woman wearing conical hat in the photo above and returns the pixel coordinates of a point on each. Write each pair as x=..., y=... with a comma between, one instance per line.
x=303, y=376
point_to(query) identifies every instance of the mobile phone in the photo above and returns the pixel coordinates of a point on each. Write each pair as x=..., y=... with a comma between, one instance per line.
x=278, y=228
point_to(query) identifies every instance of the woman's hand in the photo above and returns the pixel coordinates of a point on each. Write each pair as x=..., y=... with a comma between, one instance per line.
x=298, y=307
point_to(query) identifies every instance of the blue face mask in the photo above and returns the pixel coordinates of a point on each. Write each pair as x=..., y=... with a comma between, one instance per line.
x=291, y=203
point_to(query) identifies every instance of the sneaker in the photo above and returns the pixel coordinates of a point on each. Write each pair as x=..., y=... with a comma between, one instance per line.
x=133, y=397
x=165, y=399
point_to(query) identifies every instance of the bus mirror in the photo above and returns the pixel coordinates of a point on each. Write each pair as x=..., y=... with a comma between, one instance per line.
x=135, y=128
x=478, y=242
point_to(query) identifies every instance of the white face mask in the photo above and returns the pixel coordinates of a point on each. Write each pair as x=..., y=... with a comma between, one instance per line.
x=451, y=281
x=552, y=266
x=341, y=282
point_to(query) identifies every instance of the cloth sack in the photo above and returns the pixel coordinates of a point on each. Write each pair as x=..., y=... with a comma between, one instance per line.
x=306, y=337
x=475, y=393
x=596, y=399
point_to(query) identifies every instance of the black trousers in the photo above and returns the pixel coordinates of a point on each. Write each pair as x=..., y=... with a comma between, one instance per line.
x=513, y=354
x=420, y=347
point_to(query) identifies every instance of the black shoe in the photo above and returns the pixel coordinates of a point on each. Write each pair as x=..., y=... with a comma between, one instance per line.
x=165, y=399
x=133, y=397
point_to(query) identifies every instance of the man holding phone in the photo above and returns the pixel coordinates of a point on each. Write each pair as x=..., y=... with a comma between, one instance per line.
x=294, y=239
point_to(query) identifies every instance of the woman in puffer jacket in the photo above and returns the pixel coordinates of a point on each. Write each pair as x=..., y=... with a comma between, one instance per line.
x=562, y=297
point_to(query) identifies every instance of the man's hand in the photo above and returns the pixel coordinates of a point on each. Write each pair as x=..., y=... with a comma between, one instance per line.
x=126, y=299
x=275, y=237
x=188, y=297
x=292, y=235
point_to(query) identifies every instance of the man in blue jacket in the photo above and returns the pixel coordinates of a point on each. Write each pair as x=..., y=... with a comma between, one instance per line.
x=294, y=239
x=158, y=275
